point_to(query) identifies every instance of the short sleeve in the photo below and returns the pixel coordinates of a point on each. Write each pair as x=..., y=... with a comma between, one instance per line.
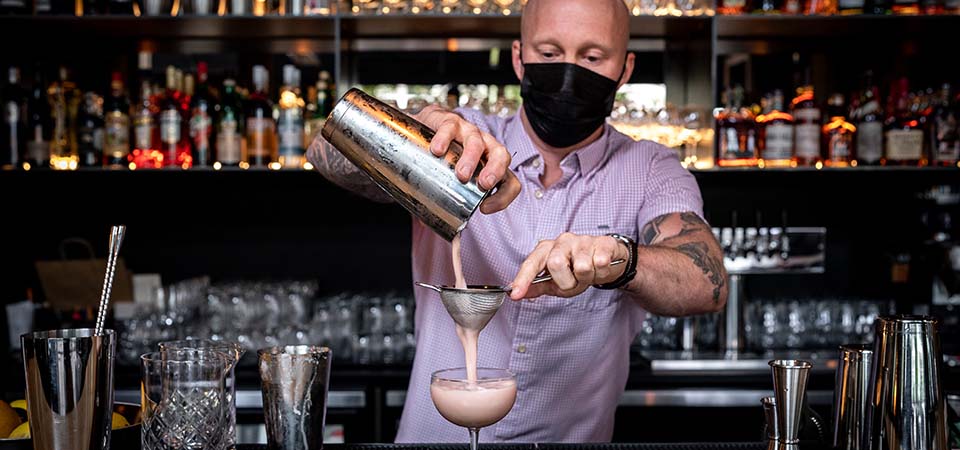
x=669, y=188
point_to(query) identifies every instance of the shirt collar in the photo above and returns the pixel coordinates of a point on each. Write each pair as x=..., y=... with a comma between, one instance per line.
x=522, y=149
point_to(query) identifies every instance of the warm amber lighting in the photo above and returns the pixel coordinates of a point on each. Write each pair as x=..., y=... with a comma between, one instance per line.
x=355, y=9
x=853, y=163
x=446, y=10
x=186, y=165
x=244, y=165
x=132, y=166
x=506, y=12
x=64, y=162
x=819, y=165
x=26, y=166
x=793, y=164
x=274, y=166
x=307, y=166
x=386, y=10
x=453, y=45
x=761, y=164
x=415, y=10
x=217, y=165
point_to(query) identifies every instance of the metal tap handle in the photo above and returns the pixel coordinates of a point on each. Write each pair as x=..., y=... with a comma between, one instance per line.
x=116, y=238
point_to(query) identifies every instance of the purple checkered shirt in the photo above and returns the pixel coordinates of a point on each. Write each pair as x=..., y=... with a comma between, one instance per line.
x=571, y=356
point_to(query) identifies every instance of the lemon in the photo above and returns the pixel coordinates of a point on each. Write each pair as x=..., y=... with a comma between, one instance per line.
x=9, y=419
x=119, y=421
x=19, y=404
x=21, y=432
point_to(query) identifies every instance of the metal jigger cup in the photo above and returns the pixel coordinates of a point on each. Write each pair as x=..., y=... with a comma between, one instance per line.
x=69, y=376
x=790, y=389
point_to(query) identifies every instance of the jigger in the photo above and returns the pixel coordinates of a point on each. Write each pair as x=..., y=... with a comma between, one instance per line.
x=790, y=390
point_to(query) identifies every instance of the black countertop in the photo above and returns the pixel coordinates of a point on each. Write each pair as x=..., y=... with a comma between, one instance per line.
x=593, y=446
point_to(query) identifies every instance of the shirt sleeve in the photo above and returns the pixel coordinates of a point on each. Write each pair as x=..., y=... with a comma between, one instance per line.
x=670, y=188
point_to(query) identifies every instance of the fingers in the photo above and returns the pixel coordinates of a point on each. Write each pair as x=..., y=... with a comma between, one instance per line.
x=605, y=252
x=533, y=265
x=445, y=134
x=473, y=149
x=506, y=193
x=497, y=162
x=559, y=263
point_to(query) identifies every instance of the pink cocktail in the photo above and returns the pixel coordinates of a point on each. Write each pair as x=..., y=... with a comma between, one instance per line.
x=473, y=404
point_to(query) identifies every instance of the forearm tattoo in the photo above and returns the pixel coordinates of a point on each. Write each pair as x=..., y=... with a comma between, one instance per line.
x=698, y=251
x=339, y=170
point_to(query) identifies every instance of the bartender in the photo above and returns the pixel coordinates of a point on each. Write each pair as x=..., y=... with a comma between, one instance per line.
x=581, y=195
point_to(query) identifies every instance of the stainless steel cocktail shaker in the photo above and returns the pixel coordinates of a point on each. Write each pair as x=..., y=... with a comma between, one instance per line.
x=394, y=149
x=851, y=396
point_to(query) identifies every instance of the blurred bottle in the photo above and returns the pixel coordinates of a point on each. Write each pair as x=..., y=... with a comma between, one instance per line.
x=732, y=7
x=820, y=7
x=202, y=107
x=737, y=129
x=850, y=7
x=776, y=134
x=290, y=127
x=15, y=7
x=261, y=129
x=174, y=143
x=63, y=152
x=39, y=125
x=231, y=145
x=13, y=134
x=838, y=133
x=902, y=131
x=906, y=7
x=807, y=129
x=90, y=130
x=869, y=120
x=116, y=123
x=318, y=109
x=944, y=130
x=877, y=7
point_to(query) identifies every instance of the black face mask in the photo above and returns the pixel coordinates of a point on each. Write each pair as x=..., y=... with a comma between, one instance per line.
x=565, y=103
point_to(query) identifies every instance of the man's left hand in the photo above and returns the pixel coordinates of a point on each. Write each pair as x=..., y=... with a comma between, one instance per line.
x=575, y=262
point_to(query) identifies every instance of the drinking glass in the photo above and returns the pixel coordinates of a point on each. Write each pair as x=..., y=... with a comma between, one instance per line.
x=421, y=6
x=507, y=7
x=294, y=383
x=473, y=404
x=450, y=6
x=190, y=410
x=395, y=6
x=232, y=350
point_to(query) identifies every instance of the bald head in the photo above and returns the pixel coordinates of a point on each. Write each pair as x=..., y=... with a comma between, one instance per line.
x=611, y=13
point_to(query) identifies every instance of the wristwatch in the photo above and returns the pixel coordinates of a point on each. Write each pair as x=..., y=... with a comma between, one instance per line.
x=631, y=270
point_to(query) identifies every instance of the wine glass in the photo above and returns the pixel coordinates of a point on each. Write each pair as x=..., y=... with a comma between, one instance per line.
x=473, y=404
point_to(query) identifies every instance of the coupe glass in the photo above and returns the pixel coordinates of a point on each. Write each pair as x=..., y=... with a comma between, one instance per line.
x=473, y=404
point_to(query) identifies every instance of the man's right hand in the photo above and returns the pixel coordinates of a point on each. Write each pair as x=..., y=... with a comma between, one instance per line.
x=477, y=145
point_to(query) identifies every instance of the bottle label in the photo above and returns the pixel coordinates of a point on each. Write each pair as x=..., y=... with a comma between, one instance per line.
x=228, y=142
x=143, y=126
x=731, y=141
x=870, y=142
x=904, y=145
x=170, y=126
x=116, y=142
x=200, y=127
x=839, y=147
x=808, y=140
x=259, y=130
x=779, y=142
x=947, y=139
x=290, y=131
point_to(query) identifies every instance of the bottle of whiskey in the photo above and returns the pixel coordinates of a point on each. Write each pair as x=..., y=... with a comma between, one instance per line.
x=838, y=134
x=231, y=146
x=945, y=131
x=776, y=134
x=261, y=129
x=902, y=130
x=869, y=121
x=14, y=130
x=737, y=129
x=202, y=106
x=90, y=130
x=807, y=129
x=290, y=122
x=116, y=124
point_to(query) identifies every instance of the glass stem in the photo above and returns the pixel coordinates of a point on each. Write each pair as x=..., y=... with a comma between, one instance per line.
x=474, y=436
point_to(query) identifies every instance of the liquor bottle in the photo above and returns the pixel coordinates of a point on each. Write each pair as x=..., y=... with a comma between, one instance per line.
x=906, y=7
x=63, y=155
x=850, y=7
x=807, y=128
x=171, y=122
x=767, y=7
x=13, y=132
x=116, y=124
x=738, y=135
x=732, y=7
x=73, y=98
x=945, y=131
x=838, y=134
x=290, y=122
x=902, y=130
x=776, y=134
x=90, y=130
x=951, y=7
x=869, y=121
x=820, y=7
x=201, y=120
x=231, y=146
x=317, y=111
x=261, y=130
x=146, y=132
x=39, y=126
x=877, y=7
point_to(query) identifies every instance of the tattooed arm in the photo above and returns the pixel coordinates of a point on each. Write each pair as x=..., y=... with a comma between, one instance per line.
x=340, y=171
x=679, y=267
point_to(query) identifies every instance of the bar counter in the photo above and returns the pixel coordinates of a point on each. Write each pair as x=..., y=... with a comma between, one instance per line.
x=588, y=446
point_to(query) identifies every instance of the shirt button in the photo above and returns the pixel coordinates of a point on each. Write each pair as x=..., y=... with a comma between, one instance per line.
x=536, y=163
x=538, y=194
x=521, y=348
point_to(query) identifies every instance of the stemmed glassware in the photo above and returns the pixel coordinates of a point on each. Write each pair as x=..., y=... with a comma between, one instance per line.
x=473, y=404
